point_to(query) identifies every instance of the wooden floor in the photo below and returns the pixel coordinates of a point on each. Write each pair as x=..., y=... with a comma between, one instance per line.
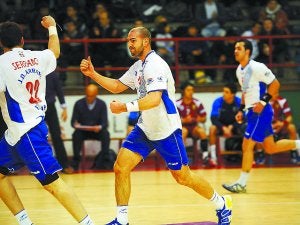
x=273, y=197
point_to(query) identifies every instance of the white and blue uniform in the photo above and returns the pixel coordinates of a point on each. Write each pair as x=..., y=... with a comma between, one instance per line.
x=254, y=79
x=22, y=100
x=159, y=127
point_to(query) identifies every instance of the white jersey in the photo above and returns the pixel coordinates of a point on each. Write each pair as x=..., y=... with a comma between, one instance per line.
x=154, y=74
x=22, y=89
x=254, y=79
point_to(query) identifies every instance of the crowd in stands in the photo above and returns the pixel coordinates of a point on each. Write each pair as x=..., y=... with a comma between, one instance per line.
x=167, y=18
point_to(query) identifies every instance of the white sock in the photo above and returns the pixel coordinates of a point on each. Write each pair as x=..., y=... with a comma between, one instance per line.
x=23, y=218
x=122, y=214
x=298, y=144
x=204, y=154
x=218, y=200
x=243, y=178
x=86, y=221
x=213, y=154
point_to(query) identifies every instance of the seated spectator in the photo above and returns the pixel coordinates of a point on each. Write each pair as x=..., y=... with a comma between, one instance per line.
x=71, y=52
x=221, y=54
x=254, y=31
x=283, y=127
x=192, y=113
x=211, y=15
x=165, y=48
x=90, y=121
x=223, y=119
x=104, y=54
x=72, y=14
x=193, y=52
x=273, y=10
x=279, y=48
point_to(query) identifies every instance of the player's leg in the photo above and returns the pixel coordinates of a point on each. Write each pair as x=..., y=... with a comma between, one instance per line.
x=185, y=133
x=178, y=164
x=272, y=147
x=8, y=193
x=68, y=199
x=36, y=152
x=134, y=149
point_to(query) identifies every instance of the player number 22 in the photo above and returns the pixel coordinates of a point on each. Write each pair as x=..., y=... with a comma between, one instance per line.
x=33, y=89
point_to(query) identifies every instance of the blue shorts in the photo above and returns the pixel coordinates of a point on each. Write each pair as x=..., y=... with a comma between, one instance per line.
x=259, y=125
x=32, y=150
x=171, y=148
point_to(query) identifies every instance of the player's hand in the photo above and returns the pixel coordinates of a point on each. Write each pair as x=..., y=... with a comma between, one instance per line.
x=87, y=68
x=48, y=21
x=117, y=107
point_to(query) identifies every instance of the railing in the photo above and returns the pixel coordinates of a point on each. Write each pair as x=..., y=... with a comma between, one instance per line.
x=293, y=41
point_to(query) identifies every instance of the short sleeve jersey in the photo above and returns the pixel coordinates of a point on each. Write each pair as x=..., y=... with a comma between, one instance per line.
x=281, y=108
x=22, y=89
x=194, y=109
x=254, y=79
x=154, y=74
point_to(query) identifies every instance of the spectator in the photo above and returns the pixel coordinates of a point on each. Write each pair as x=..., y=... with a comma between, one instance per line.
x=192, y=114
x=222, y=118
x=193, y=52
x=221, y=54
x=211, y=15
x=90, y=121
x=53, y=89
x=254, y=31
x=283, y=127
x=104, y=54
x=78, y=19
x=72, y=52
x=165, y=48
x=273, y=10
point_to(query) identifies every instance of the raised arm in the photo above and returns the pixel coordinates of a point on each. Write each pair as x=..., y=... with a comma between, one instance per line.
x=112, y=85
x=53, y=44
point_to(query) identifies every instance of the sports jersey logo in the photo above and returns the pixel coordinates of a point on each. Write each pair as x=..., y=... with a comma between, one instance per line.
x=149, y=81
x=267, y=73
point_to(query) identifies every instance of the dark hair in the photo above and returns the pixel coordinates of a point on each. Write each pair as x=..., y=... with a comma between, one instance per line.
x=232, y=87
x=10, y=34
x=185, y=84
x=247, y=45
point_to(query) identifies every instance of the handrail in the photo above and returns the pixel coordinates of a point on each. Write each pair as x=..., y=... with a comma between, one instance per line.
x=177, y=66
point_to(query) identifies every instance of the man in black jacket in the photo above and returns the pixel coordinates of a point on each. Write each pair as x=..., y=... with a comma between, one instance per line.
x=90, y=122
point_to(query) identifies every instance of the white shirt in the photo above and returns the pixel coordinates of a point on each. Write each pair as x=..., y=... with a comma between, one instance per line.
x=152, y=75
x=22, y=89
x=254, y=79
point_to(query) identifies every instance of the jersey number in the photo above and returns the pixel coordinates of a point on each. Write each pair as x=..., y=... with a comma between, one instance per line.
x=33, y=89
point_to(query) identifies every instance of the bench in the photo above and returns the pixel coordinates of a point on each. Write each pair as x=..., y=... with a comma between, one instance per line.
x=221, y=151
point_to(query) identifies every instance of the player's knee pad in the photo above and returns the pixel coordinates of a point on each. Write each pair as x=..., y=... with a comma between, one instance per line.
x=4, y=170
x=49, y=179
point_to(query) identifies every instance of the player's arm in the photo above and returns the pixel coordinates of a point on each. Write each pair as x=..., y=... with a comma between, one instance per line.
x=112, y=85
x=53, y=43
x=151, y=100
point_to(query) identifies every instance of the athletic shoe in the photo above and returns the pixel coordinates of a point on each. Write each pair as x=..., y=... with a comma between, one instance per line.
x=115, y=222
x=295, y=159
x=235, y=188
x=208, y=162
x=224, y=215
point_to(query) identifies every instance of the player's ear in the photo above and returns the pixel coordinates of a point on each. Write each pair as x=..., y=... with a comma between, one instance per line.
x=22, y=41
x=145, y=41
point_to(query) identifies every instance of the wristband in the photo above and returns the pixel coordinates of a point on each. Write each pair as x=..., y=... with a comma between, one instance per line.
x=262, y=102
x=242, y=107
x=52, y=30
x=132, y=106
x=266, y=98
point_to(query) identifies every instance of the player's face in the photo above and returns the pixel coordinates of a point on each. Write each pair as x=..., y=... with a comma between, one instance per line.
x=135, y=44
x=240, y=51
